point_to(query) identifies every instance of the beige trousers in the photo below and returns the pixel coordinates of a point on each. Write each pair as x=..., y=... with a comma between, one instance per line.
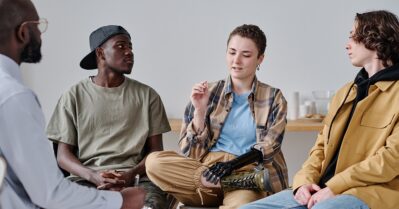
x=181, y=177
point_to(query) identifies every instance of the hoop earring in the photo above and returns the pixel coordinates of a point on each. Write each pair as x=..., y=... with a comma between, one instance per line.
x=258, y=68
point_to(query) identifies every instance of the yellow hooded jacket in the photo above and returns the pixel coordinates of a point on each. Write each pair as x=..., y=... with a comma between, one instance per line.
x=368, y=161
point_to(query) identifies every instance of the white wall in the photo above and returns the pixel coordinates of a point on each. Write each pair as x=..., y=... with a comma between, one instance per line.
x=180, y=42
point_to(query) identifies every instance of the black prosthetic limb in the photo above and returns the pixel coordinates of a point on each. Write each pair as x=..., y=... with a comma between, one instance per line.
x=221, y=169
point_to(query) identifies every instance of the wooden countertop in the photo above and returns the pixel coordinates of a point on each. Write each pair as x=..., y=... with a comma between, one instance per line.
x=293, y=125
x=297, y=125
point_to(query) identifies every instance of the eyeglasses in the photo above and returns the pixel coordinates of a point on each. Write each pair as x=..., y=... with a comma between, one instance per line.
x=41, y=24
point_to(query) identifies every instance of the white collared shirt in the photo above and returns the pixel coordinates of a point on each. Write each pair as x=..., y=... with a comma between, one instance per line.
x=33, y=179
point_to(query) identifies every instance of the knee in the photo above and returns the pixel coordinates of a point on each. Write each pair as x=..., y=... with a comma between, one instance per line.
x=151, y=162
x=156, y=161
x=247, y=206
x=283, y=199
x=238, y=198
x=133, y=197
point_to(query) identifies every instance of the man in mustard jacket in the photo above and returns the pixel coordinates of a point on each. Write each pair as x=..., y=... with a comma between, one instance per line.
x=355, y=161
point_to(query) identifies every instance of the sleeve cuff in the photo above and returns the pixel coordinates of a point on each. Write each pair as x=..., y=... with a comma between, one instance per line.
x=337, y=184
x=191, y=133
x=301, y=179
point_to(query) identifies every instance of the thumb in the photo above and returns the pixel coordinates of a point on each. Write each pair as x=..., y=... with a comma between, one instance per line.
x=315, y=187
x=205, y=84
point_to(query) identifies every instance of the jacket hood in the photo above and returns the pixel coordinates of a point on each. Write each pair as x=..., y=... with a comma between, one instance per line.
x=363, y=81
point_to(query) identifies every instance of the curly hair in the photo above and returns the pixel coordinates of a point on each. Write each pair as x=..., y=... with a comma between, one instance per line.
x=379, y=31
x=252, y=32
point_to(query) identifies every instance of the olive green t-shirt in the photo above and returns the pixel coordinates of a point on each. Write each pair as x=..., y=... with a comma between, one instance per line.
x=109, y=126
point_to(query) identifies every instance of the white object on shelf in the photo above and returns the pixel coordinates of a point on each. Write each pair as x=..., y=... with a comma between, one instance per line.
x=303, y=110
x=311, y=105
x=322, y=100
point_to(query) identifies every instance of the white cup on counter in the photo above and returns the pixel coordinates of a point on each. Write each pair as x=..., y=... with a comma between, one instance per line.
x=303, y=110
x=311, y=105
x=293, y=106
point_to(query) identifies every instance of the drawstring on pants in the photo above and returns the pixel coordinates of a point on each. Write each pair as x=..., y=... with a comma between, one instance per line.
x=208, y=191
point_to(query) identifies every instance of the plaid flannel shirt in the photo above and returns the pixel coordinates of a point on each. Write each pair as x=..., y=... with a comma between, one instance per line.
x=269, y=109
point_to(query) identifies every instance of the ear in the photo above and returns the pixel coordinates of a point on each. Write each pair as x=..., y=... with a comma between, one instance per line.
x=23, y=35
x=100, y=53
x=260, y=59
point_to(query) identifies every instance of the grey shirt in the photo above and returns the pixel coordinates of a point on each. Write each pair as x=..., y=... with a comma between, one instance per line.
x=109, y=126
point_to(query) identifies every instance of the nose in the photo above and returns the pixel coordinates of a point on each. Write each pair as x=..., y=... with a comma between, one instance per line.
x=348, y=46
x=237, y=59
x=128, y=52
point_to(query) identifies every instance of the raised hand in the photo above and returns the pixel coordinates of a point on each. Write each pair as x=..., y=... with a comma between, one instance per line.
x=199, y=99
x=200, y=96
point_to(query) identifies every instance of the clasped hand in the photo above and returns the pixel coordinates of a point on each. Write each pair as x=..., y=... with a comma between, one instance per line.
x=311, y=194
x=217, y=171
x=112, y=180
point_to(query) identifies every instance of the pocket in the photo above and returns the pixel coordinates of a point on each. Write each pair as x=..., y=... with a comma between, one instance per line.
x=376, y=120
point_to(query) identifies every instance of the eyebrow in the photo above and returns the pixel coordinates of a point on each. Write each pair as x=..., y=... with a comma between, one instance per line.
x=123, y=42
x=245, y=51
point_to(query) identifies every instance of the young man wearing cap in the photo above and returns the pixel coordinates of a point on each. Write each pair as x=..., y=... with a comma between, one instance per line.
x=107, y=124
x=32, y=179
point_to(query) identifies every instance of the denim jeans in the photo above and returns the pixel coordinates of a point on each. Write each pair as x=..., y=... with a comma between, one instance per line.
x=285, y=200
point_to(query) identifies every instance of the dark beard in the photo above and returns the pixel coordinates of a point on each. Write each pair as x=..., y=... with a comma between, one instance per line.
x=31, y=52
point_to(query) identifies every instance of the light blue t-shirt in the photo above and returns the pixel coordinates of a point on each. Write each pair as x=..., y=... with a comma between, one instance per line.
x=238, y=133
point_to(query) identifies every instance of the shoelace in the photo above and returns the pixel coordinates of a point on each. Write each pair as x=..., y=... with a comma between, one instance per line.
x=246, y=182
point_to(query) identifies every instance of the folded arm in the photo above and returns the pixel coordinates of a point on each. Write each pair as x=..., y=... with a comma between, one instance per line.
x=69, y=162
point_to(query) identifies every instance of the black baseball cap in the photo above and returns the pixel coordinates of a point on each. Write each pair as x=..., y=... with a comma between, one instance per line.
x=97, y=38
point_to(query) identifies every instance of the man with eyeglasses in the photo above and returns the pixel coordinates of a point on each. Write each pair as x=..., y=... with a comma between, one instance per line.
x=33, y=179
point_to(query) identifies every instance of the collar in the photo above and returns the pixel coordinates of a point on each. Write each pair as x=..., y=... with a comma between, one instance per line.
x=382, y=79
x=9, y=67
x=229, y=88
x=384, y=85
